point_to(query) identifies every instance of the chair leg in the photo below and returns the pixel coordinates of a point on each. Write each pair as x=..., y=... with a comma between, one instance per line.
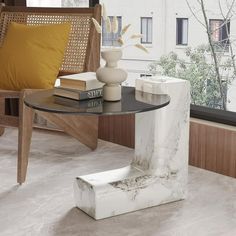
x=2, y=129
x=2, y=112
x=24, y=138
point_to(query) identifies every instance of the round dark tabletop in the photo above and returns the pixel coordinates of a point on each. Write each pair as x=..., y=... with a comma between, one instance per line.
x=132, y=101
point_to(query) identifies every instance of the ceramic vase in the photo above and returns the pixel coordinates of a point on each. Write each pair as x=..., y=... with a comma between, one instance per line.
x=111, y=75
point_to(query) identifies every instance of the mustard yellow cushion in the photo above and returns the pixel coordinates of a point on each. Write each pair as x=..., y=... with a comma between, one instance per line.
x=32, y=55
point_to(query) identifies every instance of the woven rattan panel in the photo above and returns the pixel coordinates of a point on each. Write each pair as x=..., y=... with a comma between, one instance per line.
x=74, y=58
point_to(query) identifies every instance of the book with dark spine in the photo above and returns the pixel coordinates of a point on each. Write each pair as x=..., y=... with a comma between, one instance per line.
x=77, y=94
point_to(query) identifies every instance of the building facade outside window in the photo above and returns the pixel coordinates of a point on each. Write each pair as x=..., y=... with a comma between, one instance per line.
x=181, y=31
x=220, y=31
x=146, y=30
x=110, y=39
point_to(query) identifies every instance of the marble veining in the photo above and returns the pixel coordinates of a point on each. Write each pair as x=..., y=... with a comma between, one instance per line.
x=158, y=172
x=44, y=205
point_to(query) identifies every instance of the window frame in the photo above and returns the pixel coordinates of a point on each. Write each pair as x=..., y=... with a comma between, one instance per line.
x=147, y=18
x=214, y=115
x=177, y=32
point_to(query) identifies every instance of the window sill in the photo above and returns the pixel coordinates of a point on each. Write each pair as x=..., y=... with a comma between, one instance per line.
x=214, y=115
x=147, y=45
x=181, y=46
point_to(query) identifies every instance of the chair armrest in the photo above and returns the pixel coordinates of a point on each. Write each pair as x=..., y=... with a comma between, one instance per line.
x=9, y=94
x=17, y=94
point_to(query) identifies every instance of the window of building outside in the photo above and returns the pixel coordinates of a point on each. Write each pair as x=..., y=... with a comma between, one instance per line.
x=220, y=31
x=146, y=30
x=110, y=38
x=57, y=3
x=181, y=31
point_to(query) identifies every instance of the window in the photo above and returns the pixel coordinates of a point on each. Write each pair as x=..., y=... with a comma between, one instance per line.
x=146, y=30
x=110, y=39
x=220, y=31
x=181, y=31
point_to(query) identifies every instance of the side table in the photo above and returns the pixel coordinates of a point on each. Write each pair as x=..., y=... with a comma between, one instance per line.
x=158, y=172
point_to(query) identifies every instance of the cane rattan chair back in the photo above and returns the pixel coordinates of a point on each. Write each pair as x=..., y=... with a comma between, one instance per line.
x=82, y=54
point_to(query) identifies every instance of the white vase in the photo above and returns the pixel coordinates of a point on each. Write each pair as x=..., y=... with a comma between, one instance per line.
x=111, y=75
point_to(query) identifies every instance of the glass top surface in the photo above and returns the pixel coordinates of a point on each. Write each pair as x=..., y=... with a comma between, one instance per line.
x=132, y=101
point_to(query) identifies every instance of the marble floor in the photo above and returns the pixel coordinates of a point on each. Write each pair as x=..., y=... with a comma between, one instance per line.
x=44, y=205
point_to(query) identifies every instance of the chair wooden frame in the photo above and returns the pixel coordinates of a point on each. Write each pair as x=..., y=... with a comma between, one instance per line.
x=84, y=128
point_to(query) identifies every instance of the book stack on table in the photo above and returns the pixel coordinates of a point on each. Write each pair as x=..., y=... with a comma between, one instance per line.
x=79, y=86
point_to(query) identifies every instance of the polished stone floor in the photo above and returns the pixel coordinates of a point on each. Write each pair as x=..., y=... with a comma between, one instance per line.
x=44, y=205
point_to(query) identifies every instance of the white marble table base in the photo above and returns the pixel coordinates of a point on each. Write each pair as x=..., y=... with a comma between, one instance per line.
x=159, y=170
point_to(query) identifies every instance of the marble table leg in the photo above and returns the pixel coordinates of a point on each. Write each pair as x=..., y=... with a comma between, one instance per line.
x=158, y=172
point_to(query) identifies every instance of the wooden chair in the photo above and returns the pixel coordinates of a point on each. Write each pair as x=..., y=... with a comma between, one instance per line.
x=82, y=54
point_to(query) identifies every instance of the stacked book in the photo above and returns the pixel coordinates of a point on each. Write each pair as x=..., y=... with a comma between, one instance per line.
x=79, y=86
